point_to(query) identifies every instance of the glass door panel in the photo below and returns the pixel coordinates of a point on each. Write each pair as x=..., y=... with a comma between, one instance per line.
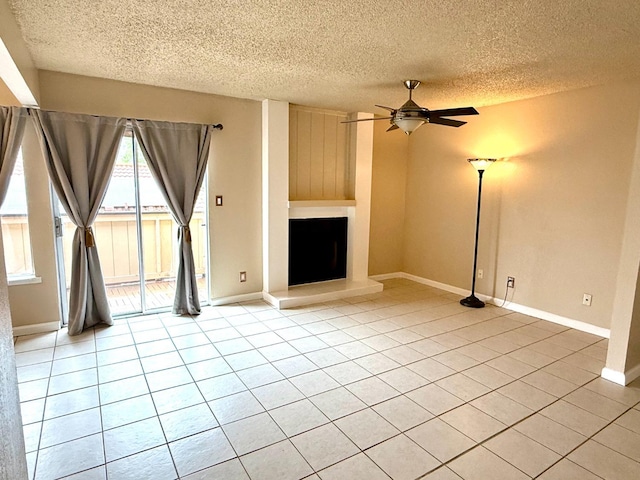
x=116, y=235
x=159, y=241
x=198, y=226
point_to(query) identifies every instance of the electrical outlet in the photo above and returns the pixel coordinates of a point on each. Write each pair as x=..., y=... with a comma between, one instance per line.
x=586, y=299
x=243, y=277
x=480, y=273
x=511, y=282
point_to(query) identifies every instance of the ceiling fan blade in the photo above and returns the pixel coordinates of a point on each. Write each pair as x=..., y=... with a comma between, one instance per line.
x=452, y=112
x=392, y=127
x=387, y=108
x=367, y=119
x=446, y=121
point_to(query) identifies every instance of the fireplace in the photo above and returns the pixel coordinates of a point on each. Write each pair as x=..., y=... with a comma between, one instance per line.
x=317, y=249
x=281, y=204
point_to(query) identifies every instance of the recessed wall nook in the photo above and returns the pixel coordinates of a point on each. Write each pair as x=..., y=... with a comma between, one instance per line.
x=315, y=167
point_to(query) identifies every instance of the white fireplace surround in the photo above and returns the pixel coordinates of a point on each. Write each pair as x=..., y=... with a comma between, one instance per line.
x=277, y=210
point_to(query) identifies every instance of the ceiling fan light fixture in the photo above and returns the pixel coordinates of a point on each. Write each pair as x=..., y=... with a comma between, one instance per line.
x=408, y=125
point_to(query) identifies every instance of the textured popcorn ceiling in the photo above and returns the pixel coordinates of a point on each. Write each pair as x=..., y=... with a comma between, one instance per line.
x=345, y=55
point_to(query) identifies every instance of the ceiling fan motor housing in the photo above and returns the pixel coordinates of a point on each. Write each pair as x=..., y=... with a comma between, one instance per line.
x=411, y=116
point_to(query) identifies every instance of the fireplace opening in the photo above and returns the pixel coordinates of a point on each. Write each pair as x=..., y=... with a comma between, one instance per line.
x=317, y=249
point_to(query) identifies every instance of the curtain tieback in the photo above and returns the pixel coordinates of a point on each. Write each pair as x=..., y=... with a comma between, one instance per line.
x=186, y=233
x=88, y=237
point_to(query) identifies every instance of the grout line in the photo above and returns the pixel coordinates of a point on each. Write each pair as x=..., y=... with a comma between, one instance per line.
x=535, y=412
x=591, y=437
x=354, y=360
x=153, y=401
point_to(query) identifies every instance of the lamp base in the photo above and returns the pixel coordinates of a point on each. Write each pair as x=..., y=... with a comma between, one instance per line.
x=472, y=302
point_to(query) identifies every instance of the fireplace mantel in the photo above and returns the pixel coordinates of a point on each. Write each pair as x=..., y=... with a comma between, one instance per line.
x=322, y=208
x=321, y=203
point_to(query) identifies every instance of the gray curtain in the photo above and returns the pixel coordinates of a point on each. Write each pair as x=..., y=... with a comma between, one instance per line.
x=12, y=121
x=79, y=152
x=177, y=156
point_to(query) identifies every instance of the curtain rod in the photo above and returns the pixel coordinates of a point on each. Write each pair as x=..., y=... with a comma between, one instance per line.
x=216, y=126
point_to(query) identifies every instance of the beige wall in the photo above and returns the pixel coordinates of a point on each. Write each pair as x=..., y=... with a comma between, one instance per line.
x=553, y=212
x=6, y=97
x=234, y=172
x=390, y=156
x=24, y=310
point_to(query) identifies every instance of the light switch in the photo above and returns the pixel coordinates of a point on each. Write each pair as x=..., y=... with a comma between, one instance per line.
x=218, y=200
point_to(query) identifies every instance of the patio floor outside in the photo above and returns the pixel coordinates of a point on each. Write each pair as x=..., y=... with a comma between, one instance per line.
x=124, y=298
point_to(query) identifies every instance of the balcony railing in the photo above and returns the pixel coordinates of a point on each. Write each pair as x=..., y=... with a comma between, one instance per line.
x=116, y=240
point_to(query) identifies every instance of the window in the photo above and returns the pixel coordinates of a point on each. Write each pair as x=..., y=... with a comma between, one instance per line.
x=15, y=226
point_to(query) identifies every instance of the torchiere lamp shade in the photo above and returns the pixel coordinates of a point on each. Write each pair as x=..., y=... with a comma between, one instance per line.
x=481, y=164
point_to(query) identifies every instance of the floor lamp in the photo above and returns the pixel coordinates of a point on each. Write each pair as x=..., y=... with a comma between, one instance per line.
x=480, y=164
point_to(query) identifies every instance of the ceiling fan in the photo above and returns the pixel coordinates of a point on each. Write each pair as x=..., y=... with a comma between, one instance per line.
x=410, y=116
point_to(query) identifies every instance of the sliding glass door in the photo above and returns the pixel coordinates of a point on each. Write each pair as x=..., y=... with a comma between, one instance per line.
x=136, y=238
x=159, y=241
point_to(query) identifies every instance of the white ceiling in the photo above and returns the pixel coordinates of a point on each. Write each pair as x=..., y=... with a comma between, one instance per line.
x=343, y=55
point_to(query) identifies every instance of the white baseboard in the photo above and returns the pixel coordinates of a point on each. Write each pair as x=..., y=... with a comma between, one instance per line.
x=270, y=299
x=621, y=378
x=552, y=317
x=438, y=285
x=533, y=312
x=387, y=276
x=245, y=297
x=432, y=283
x=613, y=376
x=36, y=328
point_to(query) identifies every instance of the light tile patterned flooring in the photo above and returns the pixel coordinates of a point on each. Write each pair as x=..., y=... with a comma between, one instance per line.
x=400, y=384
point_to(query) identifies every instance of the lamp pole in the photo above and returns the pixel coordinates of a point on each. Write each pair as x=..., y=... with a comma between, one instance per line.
x=480, y=164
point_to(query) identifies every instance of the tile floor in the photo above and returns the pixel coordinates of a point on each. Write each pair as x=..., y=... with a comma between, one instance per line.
x=402, y=384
